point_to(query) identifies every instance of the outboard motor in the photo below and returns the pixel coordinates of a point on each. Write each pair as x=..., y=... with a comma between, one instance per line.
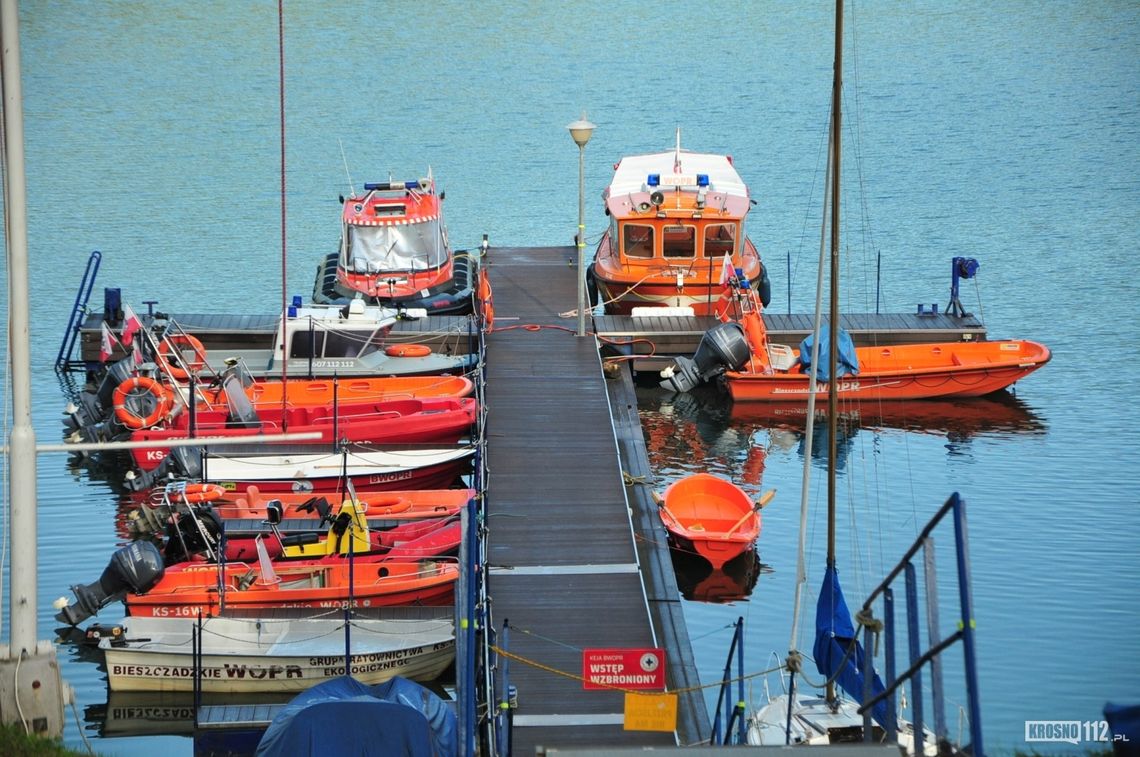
x=135, y=568
x=197, y=531
x=722, y=348
x=117, y=373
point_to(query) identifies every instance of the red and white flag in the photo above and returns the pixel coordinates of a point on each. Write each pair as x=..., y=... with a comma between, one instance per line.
x=727, y=271
x=107, y=344
x=136, y=351
x=131, y=325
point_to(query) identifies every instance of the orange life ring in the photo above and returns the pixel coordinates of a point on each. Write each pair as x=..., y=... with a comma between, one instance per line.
x=127, y=416
x=196, y=493
x=389, y=506
x=171, y=358
x=407, y=350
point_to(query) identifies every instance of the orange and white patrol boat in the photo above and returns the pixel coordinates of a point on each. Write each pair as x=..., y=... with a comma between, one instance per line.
x=676, y=231
x=394, y=250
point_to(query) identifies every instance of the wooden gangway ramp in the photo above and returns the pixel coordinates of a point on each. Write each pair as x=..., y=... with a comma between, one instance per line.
x=563, y=558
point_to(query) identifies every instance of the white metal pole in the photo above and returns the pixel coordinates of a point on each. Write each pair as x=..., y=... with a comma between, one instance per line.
x=22, y=441
x=581, y=240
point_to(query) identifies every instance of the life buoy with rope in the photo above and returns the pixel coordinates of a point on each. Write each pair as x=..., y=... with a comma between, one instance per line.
x=389, y=506
x=127, y=415
x=407, y=350
x=198, y=493
x=171, y=355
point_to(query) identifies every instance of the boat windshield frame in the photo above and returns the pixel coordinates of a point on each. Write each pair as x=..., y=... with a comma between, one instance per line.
x=313, y=339
x=699, y=244
x=376, y=249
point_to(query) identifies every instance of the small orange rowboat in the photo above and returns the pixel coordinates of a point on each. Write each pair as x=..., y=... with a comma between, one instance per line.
x=188, y=589
x=323, y=392
x=394, y=505
x=711, y=516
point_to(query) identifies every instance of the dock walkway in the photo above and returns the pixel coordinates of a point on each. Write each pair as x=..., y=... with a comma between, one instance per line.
x=563, y=559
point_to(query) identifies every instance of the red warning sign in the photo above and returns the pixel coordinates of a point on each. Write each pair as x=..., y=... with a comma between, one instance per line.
x=624, y=669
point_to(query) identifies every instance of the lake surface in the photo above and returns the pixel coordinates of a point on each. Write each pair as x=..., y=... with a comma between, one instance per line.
x=1008, y=132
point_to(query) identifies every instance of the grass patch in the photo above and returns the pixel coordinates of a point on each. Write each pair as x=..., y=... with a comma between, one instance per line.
x=15, y=743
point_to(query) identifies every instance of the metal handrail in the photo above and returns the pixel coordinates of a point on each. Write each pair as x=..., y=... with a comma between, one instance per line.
x=78, y=312
x=956, y=507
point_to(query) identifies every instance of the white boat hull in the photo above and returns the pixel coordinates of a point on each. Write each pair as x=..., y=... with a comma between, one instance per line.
x=274, y=655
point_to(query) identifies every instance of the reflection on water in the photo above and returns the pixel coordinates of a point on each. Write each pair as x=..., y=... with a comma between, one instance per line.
x=697, y=430
x=700, y=582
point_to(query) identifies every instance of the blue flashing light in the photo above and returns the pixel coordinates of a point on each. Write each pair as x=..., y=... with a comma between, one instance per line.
x=702, y=180
x=297, y=301
x=292, y=311
x=653, y=180
x=414, y=184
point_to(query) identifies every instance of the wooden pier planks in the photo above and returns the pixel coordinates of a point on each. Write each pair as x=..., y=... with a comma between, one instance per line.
x=562, y=557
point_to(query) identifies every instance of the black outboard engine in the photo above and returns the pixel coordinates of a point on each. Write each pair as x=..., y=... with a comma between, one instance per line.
x=196, y=531
x=135, y=568
x=722, y=348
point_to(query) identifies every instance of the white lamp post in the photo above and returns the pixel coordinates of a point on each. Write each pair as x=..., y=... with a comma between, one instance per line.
x=581, y=131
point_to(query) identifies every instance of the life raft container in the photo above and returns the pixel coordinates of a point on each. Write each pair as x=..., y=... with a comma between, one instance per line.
x=131, y=418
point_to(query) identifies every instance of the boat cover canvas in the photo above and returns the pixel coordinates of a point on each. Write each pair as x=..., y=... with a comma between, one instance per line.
x=848, y=359
x=1124, y=722
x=345, y=717
x=834, y=635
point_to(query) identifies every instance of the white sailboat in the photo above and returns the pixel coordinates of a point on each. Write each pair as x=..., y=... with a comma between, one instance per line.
x=795, y=718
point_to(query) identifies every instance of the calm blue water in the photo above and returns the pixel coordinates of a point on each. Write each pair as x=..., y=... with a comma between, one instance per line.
x=1006, y=131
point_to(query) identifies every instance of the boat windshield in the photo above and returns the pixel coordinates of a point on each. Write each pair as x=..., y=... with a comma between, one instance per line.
x=323, y=342
x=638, y=241
x=720, y=239
x=412, y=247
x=679, y=241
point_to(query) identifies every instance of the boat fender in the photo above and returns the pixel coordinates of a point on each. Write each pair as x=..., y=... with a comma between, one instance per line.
x=171, y=358
x=128, y=416
x=764, y=286
x=407, y=350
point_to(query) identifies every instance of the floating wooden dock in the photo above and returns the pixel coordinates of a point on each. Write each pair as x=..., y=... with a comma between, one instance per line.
x=564, y=566
x=576, y=556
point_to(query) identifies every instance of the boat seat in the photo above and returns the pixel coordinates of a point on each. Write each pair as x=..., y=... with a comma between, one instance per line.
x=299, y=540
x=781, y=357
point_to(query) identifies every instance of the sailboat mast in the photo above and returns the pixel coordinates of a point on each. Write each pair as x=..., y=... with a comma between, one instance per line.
x=833, y=342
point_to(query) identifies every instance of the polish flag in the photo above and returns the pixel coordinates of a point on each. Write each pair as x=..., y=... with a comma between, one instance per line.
x=726, y=271
x=131, y=325
x=108, y=343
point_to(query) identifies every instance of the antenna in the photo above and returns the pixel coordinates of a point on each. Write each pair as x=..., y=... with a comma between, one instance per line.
x=351, y=189
x=677, y=154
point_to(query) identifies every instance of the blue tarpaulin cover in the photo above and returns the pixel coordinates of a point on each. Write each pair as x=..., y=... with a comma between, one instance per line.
x=834, y=633
x=847, y=360
x=345, y=717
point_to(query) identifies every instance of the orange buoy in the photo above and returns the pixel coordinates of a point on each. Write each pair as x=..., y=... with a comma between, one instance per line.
x=407, y=350
x=170, y=355
x=127, y=416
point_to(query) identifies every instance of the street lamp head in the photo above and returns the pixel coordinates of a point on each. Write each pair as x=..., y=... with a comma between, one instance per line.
x=581, y=130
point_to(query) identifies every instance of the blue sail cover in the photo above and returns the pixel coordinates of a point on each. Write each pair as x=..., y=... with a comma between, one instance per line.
x=344, y=717
x=834, y=633
x=847, y=361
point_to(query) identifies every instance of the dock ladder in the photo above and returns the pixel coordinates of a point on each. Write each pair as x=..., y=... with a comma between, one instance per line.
x=955, y=506
x=63, y=361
